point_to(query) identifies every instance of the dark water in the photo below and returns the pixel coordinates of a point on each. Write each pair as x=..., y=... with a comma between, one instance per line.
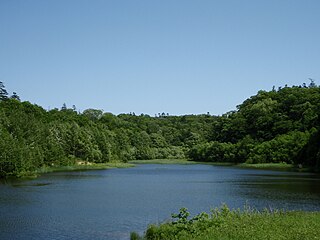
x=109, y=204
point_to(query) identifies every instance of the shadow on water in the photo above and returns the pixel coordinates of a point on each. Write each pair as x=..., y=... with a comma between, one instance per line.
x=49, y=179
x=32, y=185
x=290, y=183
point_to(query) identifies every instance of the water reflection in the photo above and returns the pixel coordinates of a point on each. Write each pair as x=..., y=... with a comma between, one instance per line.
x=108, y=204
x=292, y=183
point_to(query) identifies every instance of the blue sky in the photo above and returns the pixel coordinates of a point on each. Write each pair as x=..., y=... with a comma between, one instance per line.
x=151, y=56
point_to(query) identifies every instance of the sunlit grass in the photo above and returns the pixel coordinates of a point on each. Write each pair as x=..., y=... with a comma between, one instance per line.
x=229, y=224
x=262, y=166
x=75, y=167
x=275, y=166
x=163, y=161
x=267, y=165
x=95, y=166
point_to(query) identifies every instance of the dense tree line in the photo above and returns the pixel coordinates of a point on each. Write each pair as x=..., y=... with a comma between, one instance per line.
x=271, y=127
x=276, y=126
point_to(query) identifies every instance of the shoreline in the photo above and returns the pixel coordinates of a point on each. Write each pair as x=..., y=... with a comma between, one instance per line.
x=70, y=168
x=84, y=167
x=87, y=166
x=262, y=166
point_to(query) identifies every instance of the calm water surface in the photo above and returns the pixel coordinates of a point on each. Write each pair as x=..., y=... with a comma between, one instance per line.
x=109, y=204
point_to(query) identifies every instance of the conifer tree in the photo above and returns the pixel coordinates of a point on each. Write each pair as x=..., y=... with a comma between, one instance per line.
x=15, y=96
x=3, y=92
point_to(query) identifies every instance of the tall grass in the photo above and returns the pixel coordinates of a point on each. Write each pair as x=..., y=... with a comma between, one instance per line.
x=246, y=224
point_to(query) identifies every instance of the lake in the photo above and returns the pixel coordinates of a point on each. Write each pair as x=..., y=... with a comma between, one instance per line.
x=109, y=204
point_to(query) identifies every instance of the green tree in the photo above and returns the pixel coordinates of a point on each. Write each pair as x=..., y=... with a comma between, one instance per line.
x=3, y=92
x=93, y=114
x=15, y=96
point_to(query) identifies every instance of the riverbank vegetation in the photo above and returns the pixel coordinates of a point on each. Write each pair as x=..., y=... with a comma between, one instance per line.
x=70, y=168
x=77, y=167
x=265, y=166
x=163, y=161
x=229, y=224
x=277, y=126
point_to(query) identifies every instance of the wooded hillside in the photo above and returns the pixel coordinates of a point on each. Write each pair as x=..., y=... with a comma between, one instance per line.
x=281, y=125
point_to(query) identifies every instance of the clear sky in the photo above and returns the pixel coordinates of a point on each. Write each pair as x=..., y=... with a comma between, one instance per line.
x=154, y=56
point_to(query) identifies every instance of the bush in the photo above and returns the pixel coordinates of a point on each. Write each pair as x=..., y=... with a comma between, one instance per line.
x=246, y=224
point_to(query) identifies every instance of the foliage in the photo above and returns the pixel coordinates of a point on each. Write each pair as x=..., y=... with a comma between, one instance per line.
x=224, y=223
x=3, y=92
x=283, y=148
x=270, y=127
x=275, y=126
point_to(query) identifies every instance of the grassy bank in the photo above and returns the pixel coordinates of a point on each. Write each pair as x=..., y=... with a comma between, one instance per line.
x=75, y=167
x=163, y=161
x=264, y=166
x=271, y=166
x=85, y=167
x=276, y=166
x=229, y=224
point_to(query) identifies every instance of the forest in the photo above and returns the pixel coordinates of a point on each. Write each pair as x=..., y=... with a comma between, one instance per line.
x=277, y=126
